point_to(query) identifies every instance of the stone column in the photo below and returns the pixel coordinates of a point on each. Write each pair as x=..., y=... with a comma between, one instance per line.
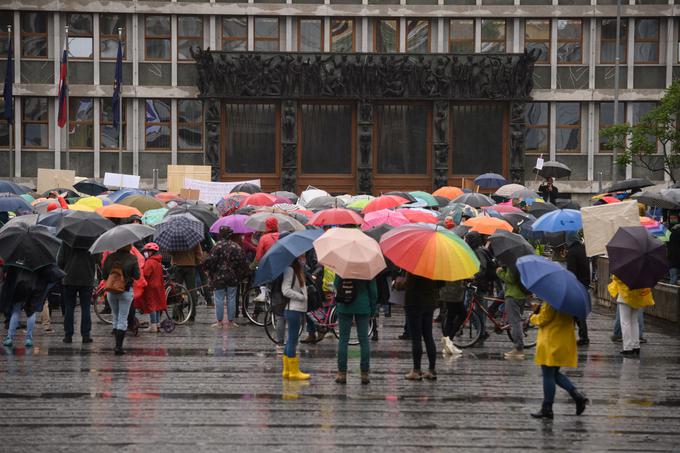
x=289, y=146
x=365, y=157
x=517, y=145
x=213, y=120
x=440, y=160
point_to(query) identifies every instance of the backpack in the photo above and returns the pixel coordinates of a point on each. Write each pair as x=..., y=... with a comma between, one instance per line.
x=491, y=266
x=278, y=300
x=347, y=291
x=115, y=282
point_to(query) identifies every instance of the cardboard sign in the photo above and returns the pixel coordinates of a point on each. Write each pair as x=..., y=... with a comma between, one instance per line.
x=177, y=174
x=212, y=192
x=53, y=179
x=190, y=194
x=121, y=180
x=600, y=223
x=539, y=163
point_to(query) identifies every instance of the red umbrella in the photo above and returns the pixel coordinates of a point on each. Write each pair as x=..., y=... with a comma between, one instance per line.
x=414, y=216
x=503, y=208
x=280, y=200
x=384, y=202
x=305, y=212
x=335, y=216
x=259, y=199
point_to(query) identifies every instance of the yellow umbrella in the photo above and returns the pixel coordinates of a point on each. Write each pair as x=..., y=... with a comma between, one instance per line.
x=92, y=202
x=81, y=207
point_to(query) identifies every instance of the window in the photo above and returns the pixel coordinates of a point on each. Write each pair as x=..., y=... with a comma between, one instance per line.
x=310, y=35
x=417, y=35
x=568, y=132
x=6, y=19
x=402, y=138
x=461, y=35
x=4, y=126
x=477, y=138
x=607, y=120
x=639, y=110
x=646, y=48
x=493, y=35
x=342, y=35
x=266, y=34
x=80, y=36
x=569, y=41
x=34, y=35
x=157, y=124
x=189, y=124
x=250, y=140
x=189, y=35
x=81, y=119
x=108, y=35
x=108, y=133
x=387, y=35
x=537, y=36
x=235, y=33
x=537, y=115
x=326, y=138
x=157, y=38
x=35, y=123
x=608, y=41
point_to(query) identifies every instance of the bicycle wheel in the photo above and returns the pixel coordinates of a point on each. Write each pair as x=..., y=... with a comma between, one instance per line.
x=179, y=303
x=353, y=337
x=167, y=324
x=469, y=332
x=530, y=332
x=270, y=321
x=253, y=309
x=101, y=306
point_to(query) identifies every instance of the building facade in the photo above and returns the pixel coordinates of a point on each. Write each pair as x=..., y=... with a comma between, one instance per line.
x=167, y=120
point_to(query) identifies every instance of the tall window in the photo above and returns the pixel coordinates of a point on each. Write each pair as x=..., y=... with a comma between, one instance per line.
x=387, y=35
x=493, y=35
x=266, y=34
x=80, y=43
x=34, y=35
x=569, y=41
x=461, y=35
x=568, y=133
x=189, y=124
x=6, y=19
x=34, y=123
x=310, y=35
x=537, y=115
x=402, y=137
x=537, y=36
x=342, y=35
x=108, y=35
x=189, y=35
x=108, y=133
x=646, y=49
x=608, y=41
x=326, y=138
x=235, y=33
x=157, y=38
x=250, y=138
x=417, y=35
x=157, y=124
x=81, y=118
x=607, y=119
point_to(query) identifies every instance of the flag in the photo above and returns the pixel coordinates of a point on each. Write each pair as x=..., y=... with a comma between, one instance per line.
x=63, y=86
x=9, y=82
x=117, y=80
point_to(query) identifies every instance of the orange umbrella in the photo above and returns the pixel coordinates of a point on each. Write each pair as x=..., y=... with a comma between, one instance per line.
x=167, y=196
x=384, y=202
x=118, y=211
x=414, y=216
x=259, y=199
x=487, y=225
x=449, y=192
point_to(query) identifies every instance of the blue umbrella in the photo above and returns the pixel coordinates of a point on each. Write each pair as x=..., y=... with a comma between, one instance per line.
x=490, y=181
x=121, y=194
x=13, y=203
x=11, y=187
x=283, y=253
x=559, y=220
x=554, y=284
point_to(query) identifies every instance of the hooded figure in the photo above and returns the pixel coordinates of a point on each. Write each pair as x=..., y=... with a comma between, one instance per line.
x=269, y=238
x=483, y=279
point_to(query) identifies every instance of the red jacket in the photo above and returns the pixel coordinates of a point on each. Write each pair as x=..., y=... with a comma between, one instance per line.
x=266, y=242
x=153, y=298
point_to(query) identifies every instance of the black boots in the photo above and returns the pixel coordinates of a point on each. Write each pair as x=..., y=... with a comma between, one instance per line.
x=120, y=336
x=545, y=412
x=580, y=401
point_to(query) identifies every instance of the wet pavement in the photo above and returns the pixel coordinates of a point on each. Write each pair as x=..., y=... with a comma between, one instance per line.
x=203, y=389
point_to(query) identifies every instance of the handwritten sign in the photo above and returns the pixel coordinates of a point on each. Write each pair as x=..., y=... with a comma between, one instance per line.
x=121, y=180
x=601, y=222
x=212, y=192
x=52, y=179
x=539, y=163
x=177, y=173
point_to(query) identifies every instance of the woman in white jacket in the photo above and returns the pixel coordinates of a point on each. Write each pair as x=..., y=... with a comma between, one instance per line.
x=294, y=288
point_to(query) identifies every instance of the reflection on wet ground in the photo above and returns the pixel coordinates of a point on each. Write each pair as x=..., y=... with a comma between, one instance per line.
x=202, y=389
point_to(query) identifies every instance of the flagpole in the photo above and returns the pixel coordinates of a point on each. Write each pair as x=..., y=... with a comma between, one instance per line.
x=120, y=113
x=68, y=119
x=10, y=123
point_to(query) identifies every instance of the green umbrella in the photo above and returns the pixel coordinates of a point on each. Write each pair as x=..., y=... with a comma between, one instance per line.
x=358, y=204
x=154, y=216
x=142, y=202
x=29, y=199
x=426, y=197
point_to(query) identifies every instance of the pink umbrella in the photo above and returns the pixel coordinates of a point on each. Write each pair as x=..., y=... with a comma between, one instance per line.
x=504, y=208
x=235, y=222
x=383, y=216
x=279, y=199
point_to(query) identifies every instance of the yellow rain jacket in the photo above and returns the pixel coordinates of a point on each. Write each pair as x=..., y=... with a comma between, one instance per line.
x=556, y=341
x=634, y=298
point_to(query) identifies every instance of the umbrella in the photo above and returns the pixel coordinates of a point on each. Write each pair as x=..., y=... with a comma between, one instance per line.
x=378, y=232
x=405, y=195
x=384, y=202
x=567, y=204
x=25, y=220
x=349, y=253
x=417, y=216
x=45, y=206
x=460, y=230
x=230, y=204
x=204, y=213
x=426, y=197
x=449, y=192
x=504, y=208
x=259, y=199
x=286, y=223
x=656, y=199
x=28, y=246
x=165, y=197
x=120, y=236
x=117, y=211
x=121, y=194
x=13, y=203
x=487, y=225
x=559, y=220
x=90, y=187
x=517, y=218
x=81, y=229
x=554, y=284
x=430, y=251
x=154, y=216
x=325, y=202
x=246, y=187
x=53, y=218
x=525, y=194
x=81, y=207
x=12, y=187
x=358, y=204
x=91, y=202
x=490, y=181
x=179, y=234
x=507, y=190
x=383, y=217
x=553, y=169
x=457, y=211
x=629, y=184
x=283, y=253
x=507, y=247
x=142, y=202
x=336, y=216
x=606, y=200
x=636, y=258
x=310, y=194
x=66, y=193
x=539, y=209
x=27, y=198
x=442, y=201
x=236, y=222
x=284, y=193
x=476, y=200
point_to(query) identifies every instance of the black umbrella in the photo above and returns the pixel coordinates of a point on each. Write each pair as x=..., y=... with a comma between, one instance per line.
x=378, y=231
x=443, y=201
x=461, y=230
x=28, y=246
x=656, y=199
x=564, y=203
x=517, y=218
x=11, y=187
x=202, y=212
x=507, y=247
x=636, y=257
x=629, y=184
x=539, y=209
x=474, y=199
x=81, y=229
x=405, y=195
x=53, y=218
x=284, y=193
x=553, y=169
x=60, y=190
x=247, y=188
x=90, y=187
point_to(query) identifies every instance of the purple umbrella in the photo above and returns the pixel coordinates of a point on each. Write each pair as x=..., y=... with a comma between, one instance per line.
x=636, y=257
x=236, y=222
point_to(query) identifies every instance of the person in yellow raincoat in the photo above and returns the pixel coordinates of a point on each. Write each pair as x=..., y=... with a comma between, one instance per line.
x=555, y=348
x=629, y=302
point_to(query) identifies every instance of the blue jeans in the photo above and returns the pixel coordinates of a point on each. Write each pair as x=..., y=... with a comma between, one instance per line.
x=14, y=323
x=120, y=307
x=345, y=326
x=293, y=318
x=552, y=376
x=230, y=293
x=617, y=323
x=673, y=275
x=69, y=294
x=155, y=317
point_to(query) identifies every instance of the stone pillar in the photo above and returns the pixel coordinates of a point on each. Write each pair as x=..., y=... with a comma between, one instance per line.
x=289, y=146
x=440, y=166
x=517, y=145
x=365, y=158
x=213, y=120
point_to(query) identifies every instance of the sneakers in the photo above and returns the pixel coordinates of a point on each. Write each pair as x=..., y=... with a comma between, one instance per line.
x=8, y=342
x=448, y=348
x=430, y=375
x=217, y=325
x=262, y=296
x=514, y=355
x=28, y=343
x=414, y=375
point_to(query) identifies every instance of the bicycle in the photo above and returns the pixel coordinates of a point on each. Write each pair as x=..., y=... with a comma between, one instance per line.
x=251, y=307
x=470, y=332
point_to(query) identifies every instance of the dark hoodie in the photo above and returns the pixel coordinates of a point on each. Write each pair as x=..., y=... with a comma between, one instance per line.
x=476, y=243
x=577, y=261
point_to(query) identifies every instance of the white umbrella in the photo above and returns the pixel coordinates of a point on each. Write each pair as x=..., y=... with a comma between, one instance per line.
x=309, y=195
x=508, y=189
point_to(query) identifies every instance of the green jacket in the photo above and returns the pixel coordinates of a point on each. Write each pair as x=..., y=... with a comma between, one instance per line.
x=511, y=284
x=365, y=301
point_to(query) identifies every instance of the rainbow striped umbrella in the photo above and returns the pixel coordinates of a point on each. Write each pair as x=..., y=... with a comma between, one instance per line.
x=430, y=251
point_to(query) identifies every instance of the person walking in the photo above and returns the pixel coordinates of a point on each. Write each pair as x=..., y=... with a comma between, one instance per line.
x=154, y=299
x=629, y=303
x=185, y=264
x=79, y=266
x=119, y=271
x=577, y=263
x=555, y=348
x=420, y=300
x=357, y=302
x=294, y=289
x=515, y=300
x=452, y=294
